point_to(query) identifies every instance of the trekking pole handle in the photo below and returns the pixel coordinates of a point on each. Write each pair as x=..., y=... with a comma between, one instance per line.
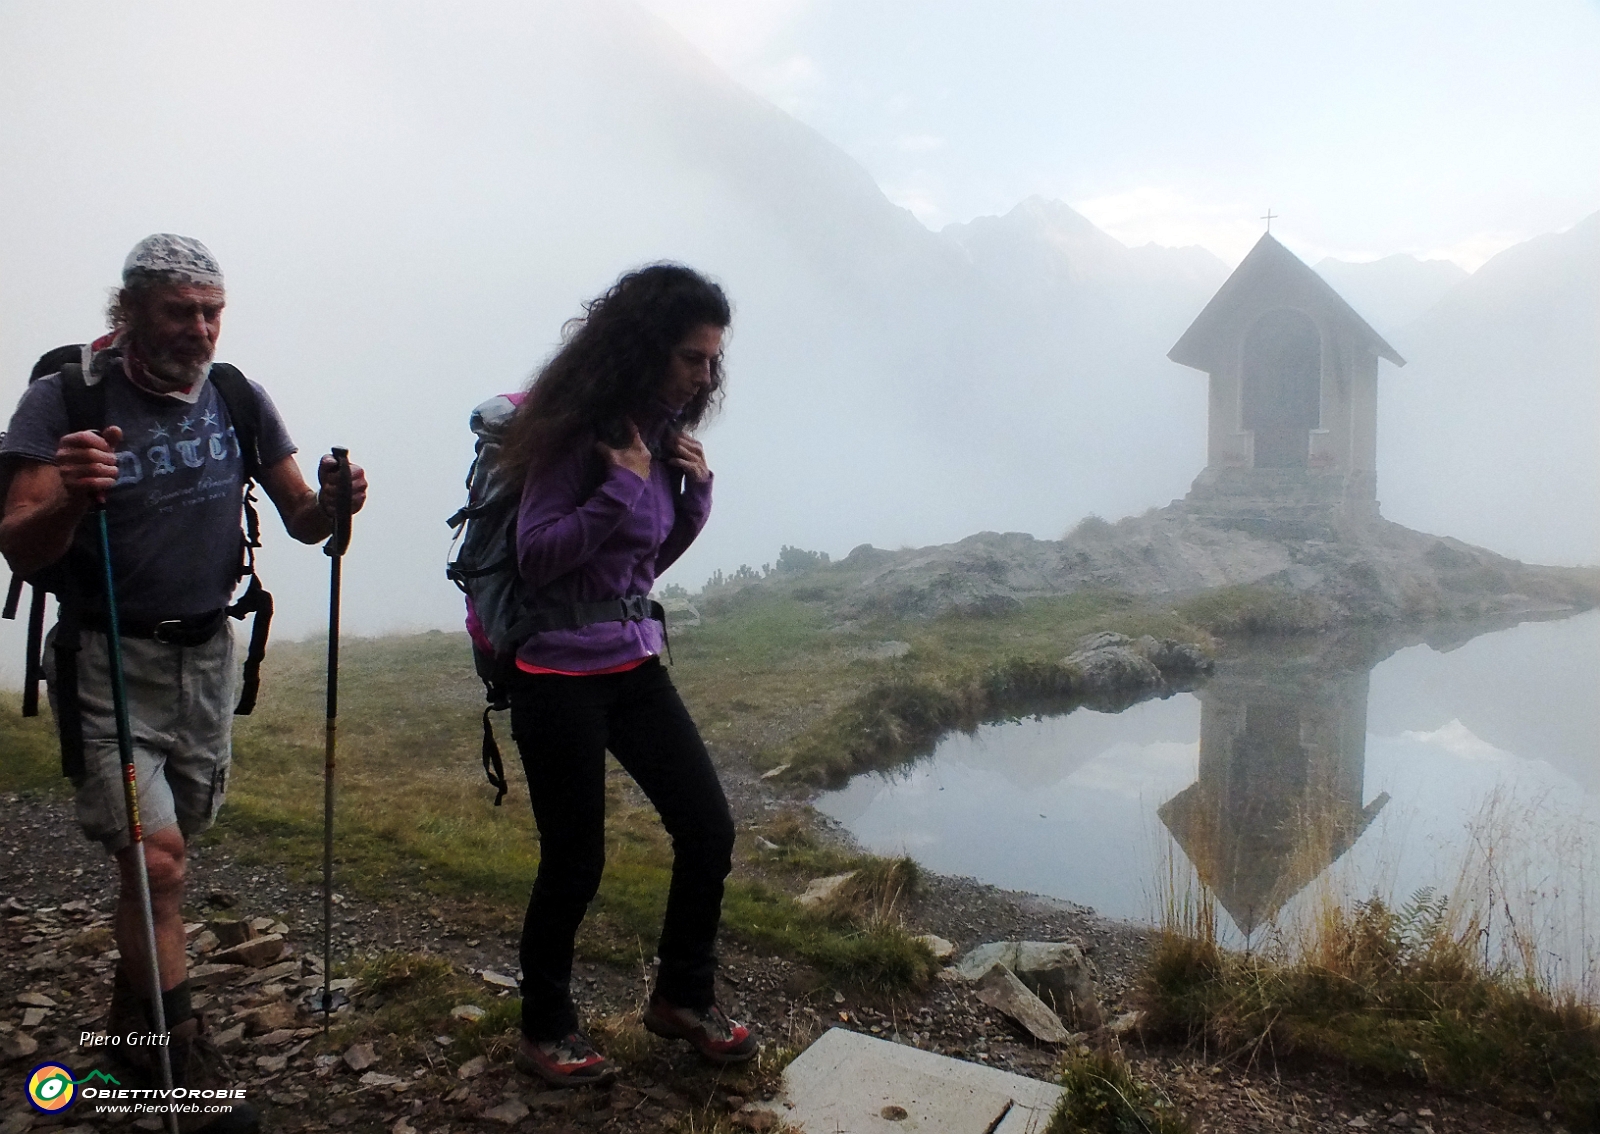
x=339, y=542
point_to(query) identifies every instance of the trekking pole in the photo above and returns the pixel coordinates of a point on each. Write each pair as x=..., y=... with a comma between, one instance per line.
x=130, y=796
x=335, y=548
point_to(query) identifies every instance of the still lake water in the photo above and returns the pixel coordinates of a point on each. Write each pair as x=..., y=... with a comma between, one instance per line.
x=1470, y=765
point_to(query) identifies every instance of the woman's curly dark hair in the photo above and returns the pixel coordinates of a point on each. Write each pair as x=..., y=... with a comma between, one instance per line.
x=612, y=363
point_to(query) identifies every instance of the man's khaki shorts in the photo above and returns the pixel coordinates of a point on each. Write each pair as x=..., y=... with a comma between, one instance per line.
x=180, y=714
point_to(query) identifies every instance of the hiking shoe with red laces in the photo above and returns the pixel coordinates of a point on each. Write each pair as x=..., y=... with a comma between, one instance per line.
x=570, y=1061
x=713, y=1035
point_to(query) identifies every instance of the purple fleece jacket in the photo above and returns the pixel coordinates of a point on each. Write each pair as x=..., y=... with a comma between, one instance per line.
x=603, y=542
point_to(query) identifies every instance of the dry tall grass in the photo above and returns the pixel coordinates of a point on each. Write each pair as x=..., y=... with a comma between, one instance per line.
x=1460, y=987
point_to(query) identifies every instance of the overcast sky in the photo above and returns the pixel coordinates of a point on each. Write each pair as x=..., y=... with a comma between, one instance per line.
x=410, y=197
x=1441, y=129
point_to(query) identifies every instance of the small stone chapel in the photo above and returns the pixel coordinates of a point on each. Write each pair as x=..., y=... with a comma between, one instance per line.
x=1293, y=409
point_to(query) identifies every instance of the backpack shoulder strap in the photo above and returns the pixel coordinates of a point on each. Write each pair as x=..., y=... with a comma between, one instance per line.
x=86, y=409
x=244, y=410
x=85, y=401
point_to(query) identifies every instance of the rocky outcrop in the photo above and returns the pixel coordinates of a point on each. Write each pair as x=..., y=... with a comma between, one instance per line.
x=1373, y=571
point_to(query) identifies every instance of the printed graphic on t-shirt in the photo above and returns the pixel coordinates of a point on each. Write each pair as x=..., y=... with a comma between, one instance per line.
x=194, y=441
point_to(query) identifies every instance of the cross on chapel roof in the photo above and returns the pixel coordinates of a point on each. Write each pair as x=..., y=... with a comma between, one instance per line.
x=1270, y=276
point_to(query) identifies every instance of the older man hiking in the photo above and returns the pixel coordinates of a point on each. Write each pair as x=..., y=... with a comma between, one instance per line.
x=168, y=465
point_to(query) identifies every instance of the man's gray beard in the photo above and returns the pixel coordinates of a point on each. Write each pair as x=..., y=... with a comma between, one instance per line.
x=168, y=375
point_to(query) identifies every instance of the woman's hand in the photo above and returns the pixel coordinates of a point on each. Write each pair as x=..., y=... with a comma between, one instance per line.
x=635, y=458
x=691, y=457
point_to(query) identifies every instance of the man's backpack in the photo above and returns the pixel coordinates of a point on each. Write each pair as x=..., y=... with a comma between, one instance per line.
x=72, y=580
x=502, y=611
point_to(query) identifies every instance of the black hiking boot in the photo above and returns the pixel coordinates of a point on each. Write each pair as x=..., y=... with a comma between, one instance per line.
x=199, y=1066
x=129, y=1024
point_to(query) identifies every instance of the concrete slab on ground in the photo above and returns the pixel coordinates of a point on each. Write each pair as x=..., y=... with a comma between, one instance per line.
x=848, y=1083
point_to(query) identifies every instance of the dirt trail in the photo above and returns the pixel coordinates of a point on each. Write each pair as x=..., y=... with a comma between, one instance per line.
x=54, y=943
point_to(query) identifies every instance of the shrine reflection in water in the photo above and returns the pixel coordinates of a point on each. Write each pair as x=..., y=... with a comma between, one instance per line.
x=1377, y=754
x=1278, y=794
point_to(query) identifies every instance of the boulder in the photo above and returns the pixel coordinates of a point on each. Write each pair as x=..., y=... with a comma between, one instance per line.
x=1174, y=658
x=230, y=933
x=1000, y=989
x=510, y=1112
x=270, y=1017
x=360, y=1056
x=680, y=612
x=1111, y=672
x=282, y=971
x=821, y=891
x=257, y=952
x=229, y=1040
x=941, y=949
x=1127, y=1024
x=1055, y=971
x=1063, y=978
x=18, y=1045
x=208, y=976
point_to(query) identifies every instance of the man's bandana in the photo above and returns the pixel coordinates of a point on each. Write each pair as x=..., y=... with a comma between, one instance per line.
x=175, y=259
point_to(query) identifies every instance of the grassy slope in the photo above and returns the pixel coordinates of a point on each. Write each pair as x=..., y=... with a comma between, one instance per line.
x=30, y=759
x=414, y=808
x=766, y=675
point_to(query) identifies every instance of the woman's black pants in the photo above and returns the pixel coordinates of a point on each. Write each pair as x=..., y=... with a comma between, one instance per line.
x=563, y=727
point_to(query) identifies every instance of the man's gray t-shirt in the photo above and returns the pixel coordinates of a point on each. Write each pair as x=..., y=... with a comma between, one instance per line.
x=174, y=513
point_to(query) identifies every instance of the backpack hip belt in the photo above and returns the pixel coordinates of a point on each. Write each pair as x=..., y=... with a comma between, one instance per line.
x=576, y=615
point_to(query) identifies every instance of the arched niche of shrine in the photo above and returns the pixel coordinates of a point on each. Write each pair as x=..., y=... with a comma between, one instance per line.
x=1280, y=391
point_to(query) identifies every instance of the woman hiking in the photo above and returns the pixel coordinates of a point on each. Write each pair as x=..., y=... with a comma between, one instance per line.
x=614, y=490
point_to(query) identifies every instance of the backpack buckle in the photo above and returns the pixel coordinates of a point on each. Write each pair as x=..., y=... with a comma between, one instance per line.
x=635, y=608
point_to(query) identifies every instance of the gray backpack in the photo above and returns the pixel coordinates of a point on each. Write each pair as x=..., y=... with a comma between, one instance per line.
x=502, y=611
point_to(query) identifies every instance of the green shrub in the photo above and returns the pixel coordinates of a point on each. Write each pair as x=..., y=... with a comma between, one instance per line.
x=1103, y=1096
